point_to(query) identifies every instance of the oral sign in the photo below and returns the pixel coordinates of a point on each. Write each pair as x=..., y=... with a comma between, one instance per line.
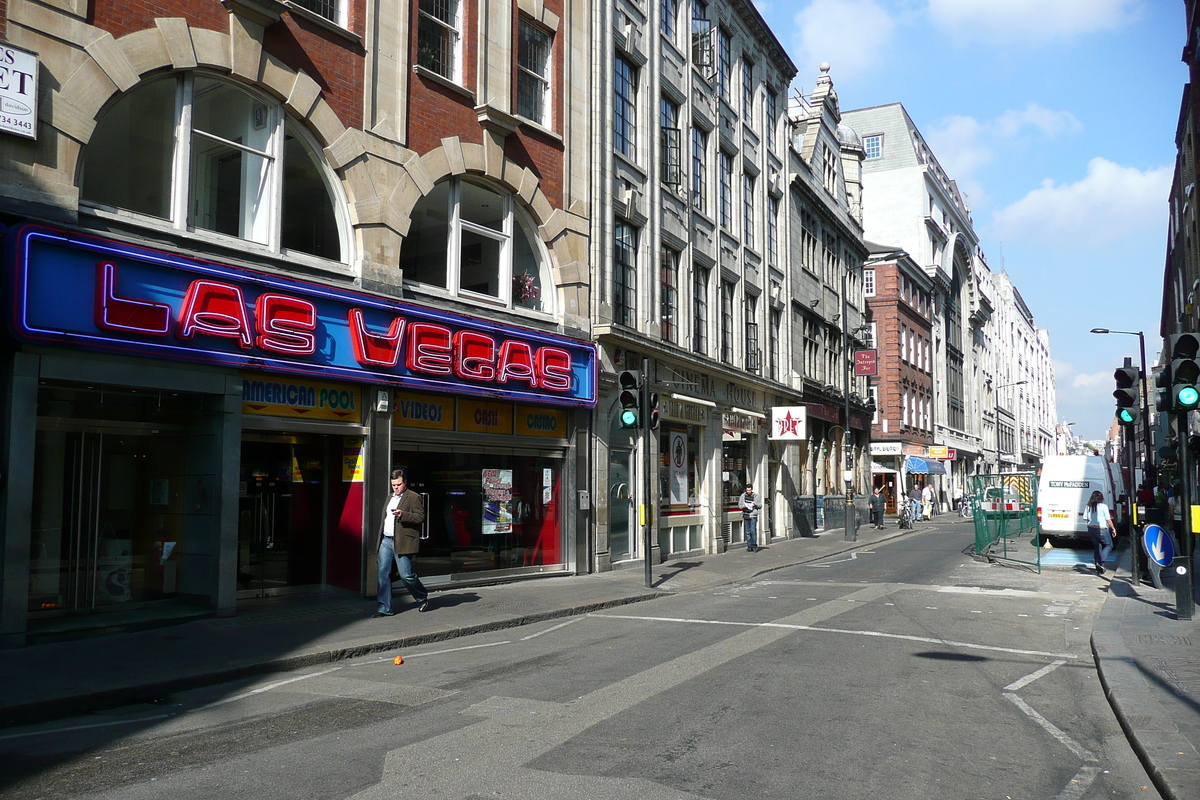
x=83, y=291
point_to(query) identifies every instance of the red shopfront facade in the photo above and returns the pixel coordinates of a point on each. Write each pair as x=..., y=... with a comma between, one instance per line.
x=184, y=434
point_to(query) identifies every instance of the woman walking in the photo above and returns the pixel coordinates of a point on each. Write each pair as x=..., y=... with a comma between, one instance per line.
x=1099, y=523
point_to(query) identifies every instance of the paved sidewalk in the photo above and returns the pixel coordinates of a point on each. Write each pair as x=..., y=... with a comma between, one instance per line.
x=1149, y=664
x=1146, y=658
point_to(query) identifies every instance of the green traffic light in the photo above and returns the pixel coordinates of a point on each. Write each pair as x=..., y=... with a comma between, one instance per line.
x=1125, y=415
x=1188, y=397
x=629, y=418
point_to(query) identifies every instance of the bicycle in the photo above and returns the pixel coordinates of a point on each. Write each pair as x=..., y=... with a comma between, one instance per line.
x=905, y=517
x=964, y=508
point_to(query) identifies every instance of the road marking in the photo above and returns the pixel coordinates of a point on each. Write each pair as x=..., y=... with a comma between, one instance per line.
x=1033, y=676
x=1079, y=750
x=991, y=592
x=271, y=686
x=460, y=649
x=27, y=734
x=877, y=634
x=1080, y=783
x=853, y=557
x=551, y=630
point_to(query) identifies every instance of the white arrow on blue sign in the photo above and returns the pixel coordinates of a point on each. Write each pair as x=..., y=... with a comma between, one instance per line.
x=1158, y=545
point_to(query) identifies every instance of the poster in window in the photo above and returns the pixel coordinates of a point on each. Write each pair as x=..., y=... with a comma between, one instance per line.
x=497, y=501
x=678, y=456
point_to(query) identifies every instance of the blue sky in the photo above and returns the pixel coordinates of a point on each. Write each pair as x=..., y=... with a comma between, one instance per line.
x=1057, y=118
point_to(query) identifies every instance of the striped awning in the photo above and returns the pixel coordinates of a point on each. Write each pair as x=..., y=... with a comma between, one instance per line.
x=921, y=466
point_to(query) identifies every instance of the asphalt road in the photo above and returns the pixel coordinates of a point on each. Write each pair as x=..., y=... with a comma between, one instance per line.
x=907, y=671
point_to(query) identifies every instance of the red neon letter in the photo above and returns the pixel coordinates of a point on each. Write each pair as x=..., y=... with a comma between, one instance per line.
x=554, y=369
x=285, y=324
x=516, y=363
x=216, y=309
x=123, y=314
x=375, y=349
x=429, y=349
x=474, y=356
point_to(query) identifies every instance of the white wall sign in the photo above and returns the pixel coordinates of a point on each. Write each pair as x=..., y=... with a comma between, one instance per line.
x=886, y=448
x=789, y=424
x=18, y=91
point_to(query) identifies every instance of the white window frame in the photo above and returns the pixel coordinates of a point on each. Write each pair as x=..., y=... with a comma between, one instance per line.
x=877, y=139
x=543, y=80
x=455, y=29
x=868, y=283
x=339, y=11
x=180, y=217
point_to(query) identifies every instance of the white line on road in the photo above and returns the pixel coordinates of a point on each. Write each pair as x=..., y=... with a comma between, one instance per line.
x=853, y=557
x=1079, y=785
x=271, y=686
x=27, y=734
x=1033, y=676
x=879, y=634
x=458, y=649
x=1079, y=750
x=551, y=630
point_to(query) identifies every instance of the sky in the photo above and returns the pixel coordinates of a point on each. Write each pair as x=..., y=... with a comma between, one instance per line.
x=1057, y=119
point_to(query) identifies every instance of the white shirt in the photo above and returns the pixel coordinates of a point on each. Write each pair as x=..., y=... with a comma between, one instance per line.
x=389, y=519
x=1097, y=517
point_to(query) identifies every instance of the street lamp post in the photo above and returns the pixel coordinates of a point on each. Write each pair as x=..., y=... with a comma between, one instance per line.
x=1146, y=445
x=996, y=411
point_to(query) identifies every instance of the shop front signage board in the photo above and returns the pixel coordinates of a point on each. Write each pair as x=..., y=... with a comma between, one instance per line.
x=76, y=290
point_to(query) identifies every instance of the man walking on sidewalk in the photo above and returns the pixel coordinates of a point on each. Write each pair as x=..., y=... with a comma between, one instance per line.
x=750, y=504
x=399, y=541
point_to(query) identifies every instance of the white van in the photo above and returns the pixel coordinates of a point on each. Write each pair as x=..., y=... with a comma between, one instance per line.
x=1064, y=487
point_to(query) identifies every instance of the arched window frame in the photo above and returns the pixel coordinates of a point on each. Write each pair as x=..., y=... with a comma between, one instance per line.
x=516, y=221
x=180, y=220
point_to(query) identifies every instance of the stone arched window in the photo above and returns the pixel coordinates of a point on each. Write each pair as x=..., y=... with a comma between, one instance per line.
x=475, y=243
x=206, y=156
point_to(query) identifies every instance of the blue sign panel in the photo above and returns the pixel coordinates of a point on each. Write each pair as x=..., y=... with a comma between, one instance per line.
x=1159, y=545
x=83, y=291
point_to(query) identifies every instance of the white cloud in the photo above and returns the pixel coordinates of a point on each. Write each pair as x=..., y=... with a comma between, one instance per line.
x=1094, y=381
x=1110, y=202
x=964, y=144
x=1032, y=20
x=850, y=34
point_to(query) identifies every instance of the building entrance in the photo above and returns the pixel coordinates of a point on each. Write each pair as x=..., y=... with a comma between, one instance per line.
x=281, y=512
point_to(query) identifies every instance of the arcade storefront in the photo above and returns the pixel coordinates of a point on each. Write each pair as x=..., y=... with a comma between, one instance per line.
x=180, y=435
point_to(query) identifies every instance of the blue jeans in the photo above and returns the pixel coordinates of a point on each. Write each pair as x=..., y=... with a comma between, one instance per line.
x=915, y=505
x=1102, y=543
x=750, y=526
x=387, y=552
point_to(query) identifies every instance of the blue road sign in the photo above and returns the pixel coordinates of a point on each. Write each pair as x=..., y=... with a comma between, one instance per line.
x=1158, y=545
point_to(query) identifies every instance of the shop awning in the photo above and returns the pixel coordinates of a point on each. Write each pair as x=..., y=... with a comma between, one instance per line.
x=877, y=468
x=921, y=466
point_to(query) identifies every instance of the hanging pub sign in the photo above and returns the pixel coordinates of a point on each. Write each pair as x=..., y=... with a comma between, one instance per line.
x=82, y=291
x=866, y=362
x=18, y=91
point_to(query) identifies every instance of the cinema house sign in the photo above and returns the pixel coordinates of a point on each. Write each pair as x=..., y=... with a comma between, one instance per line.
x=82, y=291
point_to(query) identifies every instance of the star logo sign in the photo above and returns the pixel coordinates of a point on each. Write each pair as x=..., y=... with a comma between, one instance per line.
x=789, y=425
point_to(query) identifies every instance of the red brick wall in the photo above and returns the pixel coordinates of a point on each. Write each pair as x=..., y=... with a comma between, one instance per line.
x=890, y=314
x=436, y=112
x=333, y=62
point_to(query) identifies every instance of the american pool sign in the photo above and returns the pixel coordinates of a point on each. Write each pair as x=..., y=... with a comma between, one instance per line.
x=76, y=290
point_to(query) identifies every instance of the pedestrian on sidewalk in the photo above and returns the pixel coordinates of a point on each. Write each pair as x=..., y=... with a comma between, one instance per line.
x=750, y=503
x=399, y=541
x=914, y=502
x=1099, y=525
x=927, y=501
x=878, y=501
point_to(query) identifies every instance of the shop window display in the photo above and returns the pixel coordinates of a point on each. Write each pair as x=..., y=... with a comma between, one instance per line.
x=487, y=512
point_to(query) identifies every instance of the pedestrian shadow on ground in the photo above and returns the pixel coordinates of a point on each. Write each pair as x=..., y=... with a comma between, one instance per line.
x=676, y=569
x=451, y=599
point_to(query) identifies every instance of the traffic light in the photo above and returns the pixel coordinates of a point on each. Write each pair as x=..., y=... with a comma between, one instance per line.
x=652, y=411
x=1129, y=416
x=1162, y=382
x=1128, y=382
x=1185, y=372
x=630, y=398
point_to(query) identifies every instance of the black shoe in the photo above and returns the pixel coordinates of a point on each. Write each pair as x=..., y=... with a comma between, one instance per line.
x=1099, y=570
x=384, y=614
x=424, y=606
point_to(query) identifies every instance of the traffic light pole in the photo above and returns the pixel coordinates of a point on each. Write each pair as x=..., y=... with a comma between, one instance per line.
x=648, y=484
x=1131, y=498
x=1185, y=602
